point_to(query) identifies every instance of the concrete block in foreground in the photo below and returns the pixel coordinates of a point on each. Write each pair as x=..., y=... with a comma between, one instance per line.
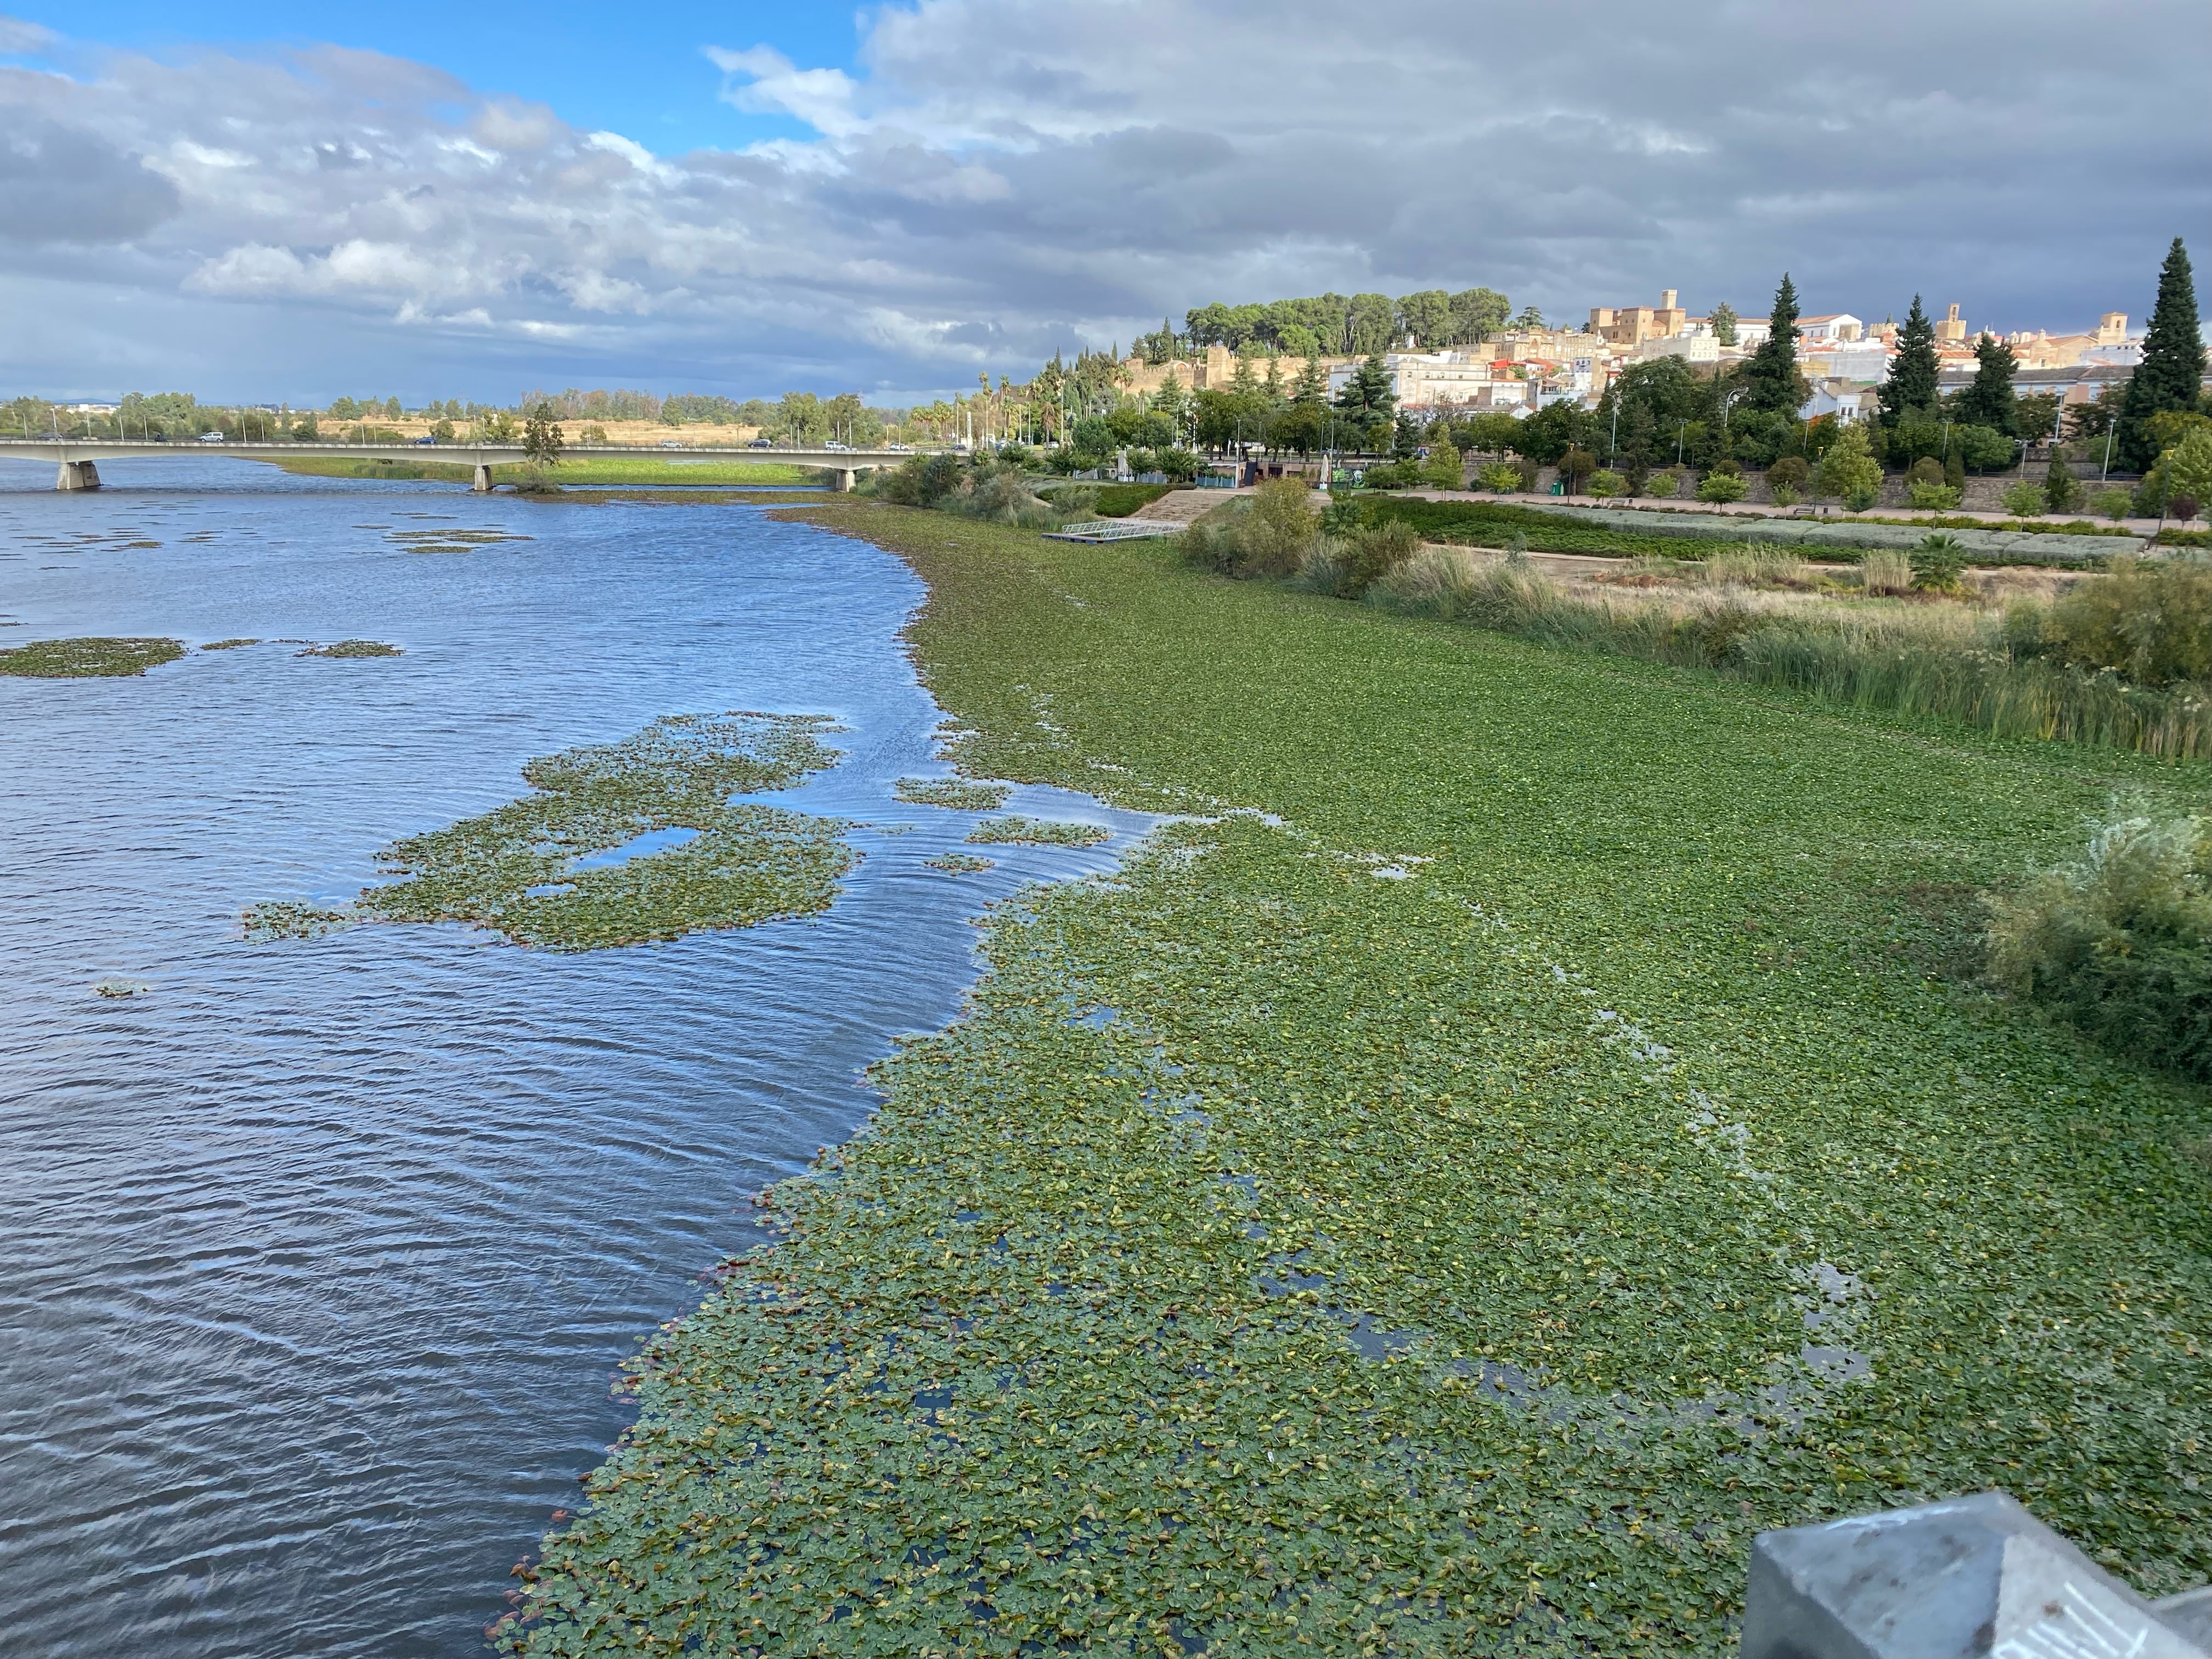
x=1974, y=1577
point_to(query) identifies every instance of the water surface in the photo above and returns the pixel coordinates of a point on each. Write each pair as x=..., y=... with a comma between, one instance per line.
x=316, y=1257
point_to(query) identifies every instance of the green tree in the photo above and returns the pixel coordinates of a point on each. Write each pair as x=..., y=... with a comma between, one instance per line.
x=1989, y=400
x=541, y=437
x=2060, y=493
x=343, y=408
x=1849, y=470
x=2171, y=374
x=1478, y=313
x=1369, y=324
x=391, y=410
x=1723, y=323
x=1427, y=316
x=2183, y=475
x=1910, y=388
x=1405, y=436
x=1770, y=379
x=1367, y=396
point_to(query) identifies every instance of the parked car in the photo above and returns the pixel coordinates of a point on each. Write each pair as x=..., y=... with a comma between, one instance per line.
x=210, y=437
x=762, y=443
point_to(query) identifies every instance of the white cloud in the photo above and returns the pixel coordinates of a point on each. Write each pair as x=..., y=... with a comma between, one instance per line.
x=823, y=99
x=19, y=37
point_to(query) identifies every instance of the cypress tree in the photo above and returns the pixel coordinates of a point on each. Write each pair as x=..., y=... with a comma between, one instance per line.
x=2172, y=368
x=1989, y=401
x=1913, y=377
x=1770, y=377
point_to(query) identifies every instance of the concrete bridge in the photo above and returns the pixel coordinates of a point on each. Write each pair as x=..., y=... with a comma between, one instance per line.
x=78, y=458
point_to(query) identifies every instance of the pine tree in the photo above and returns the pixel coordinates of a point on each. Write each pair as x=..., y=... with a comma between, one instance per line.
x=1911, y=386
x=2060, y=492
x=1313, y=385
x=1367, y=395
x=1723, y=323
x=1989, y=401
x=2173, y=367
x=1770, y=379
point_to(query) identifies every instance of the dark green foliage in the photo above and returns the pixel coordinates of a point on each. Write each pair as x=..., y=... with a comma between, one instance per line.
x=88, y=658
x=1769, y=378
x=1988, y=401
x=2149, y=620
x=921, y=480
x=2060, y=489
x=1790, y=472
x=1937, y=563
x=1723, y=320
x=1954, y=462
x=2121, y=942
x=1911, y=386
x=2171, y=373
x=1371, y=552
x=352, y=648
x=1367, y=395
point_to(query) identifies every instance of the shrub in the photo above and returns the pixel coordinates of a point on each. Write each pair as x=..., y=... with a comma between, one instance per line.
x=1937, y=563
x=1937, y=497
x=1720, y=486
x=2113, y=504
x=1784, y=495
x=2024, y=500
x=2149, y=620
x=1278, y=531
x=921, y=480
x=1789, y=473
x=1443, y=470
x=1500, y=477
x=1180, y=465
x=1211, y=542
x=1662, y=486
x=1605, y=484
x=1370, y=555
x=1884, y=570
x=1926, y=471
x=2121, y=942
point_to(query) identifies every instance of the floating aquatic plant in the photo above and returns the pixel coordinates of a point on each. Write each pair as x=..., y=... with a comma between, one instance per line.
x=352, y=648
x=87, y=659
x=527, y=870
x=1039, y=832
x=281, y=919
x=227, y=645
x=959, y=864
x=958, y=793
x=117, y=989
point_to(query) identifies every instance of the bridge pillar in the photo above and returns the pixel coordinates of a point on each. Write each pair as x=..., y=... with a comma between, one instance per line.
x=845, y=477
x=77, y=475
x=483, y=485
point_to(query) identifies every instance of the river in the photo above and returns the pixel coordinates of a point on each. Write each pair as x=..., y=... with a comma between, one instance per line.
x=316, y=1256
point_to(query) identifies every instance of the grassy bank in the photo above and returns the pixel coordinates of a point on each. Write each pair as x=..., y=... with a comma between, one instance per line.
x=612, y=470
x=1452, y=1218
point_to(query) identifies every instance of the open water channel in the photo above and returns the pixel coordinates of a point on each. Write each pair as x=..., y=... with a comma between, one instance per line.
x=316, y=1256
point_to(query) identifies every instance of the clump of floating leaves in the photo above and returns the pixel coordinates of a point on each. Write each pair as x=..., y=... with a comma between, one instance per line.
x=352, y=648
x=117, y=989
x=1039, y=832
x=227, y=645
x=283, y=921
x=957, y=794
x=959, y=864
x=536, y=869
x=451, y=541
x=88, y=658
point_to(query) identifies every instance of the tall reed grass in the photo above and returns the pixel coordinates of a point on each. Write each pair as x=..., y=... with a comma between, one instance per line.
x=1953, y=661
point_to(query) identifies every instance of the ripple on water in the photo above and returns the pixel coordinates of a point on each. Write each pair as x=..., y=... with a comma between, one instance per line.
x=319, y=1253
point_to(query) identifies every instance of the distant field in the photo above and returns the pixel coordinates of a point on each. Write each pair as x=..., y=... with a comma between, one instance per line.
x=614, y=470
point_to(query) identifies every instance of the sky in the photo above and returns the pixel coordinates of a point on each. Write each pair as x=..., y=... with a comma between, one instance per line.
x=276, y=202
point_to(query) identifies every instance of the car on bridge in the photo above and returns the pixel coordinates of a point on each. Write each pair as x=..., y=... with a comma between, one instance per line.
x=210, y=437
x=831, y=443
x=424, y=441
x=762, y=443
x=670, y=443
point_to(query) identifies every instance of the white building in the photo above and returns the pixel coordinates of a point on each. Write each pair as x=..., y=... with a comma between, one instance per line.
x=1850, y=359
x=1426, y=380
x=1695, y=347
x=1829, y=330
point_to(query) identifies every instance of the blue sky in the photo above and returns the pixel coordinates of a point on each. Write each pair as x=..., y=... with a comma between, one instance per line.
x=290, y=201
x=639, y=69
